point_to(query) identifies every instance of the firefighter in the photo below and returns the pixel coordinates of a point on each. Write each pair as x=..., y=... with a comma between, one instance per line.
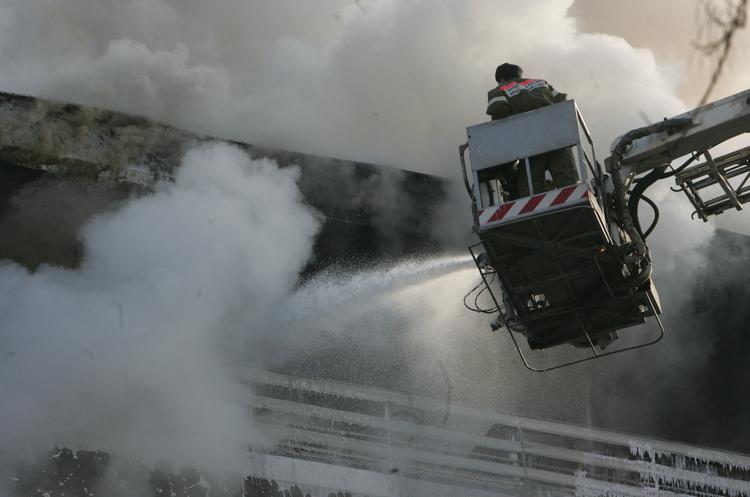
x=515, y=94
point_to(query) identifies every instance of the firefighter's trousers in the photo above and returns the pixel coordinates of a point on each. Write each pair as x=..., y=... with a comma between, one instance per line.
x=559, y=163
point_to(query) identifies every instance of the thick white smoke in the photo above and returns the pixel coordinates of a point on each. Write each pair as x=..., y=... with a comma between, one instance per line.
x=129, y=353
x=386, y=81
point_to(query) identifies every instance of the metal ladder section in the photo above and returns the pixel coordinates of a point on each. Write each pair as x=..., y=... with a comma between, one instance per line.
x=717, y=173
x=337, y=435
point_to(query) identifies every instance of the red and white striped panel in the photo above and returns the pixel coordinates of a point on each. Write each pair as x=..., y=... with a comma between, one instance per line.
x=528, y=206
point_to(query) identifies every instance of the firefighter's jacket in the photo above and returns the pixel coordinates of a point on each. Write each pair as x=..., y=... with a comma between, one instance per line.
x=521, y=95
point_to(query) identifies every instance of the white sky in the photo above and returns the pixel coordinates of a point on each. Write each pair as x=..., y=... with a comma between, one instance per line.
x=667, y=27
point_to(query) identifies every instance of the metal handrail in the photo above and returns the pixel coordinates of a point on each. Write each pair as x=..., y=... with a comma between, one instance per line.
x=334, y=432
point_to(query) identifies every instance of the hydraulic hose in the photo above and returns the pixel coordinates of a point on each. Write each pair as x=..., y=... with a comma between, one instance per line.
x=636, y=194
x=642, y=184
x=620, y=193
x=656, y=216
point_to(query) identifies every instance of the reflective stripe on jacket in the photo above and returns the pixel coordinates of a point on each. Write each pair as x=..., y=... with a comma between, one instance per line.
x=521, y=95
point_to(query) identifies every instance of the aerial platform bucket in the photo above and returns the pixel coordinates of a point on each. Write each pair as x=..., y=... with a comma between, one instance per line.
x=555, y=274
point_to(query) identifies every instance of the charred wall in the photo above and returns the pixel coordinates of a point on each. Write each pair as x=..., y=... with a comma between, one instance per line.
x=61, y=164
